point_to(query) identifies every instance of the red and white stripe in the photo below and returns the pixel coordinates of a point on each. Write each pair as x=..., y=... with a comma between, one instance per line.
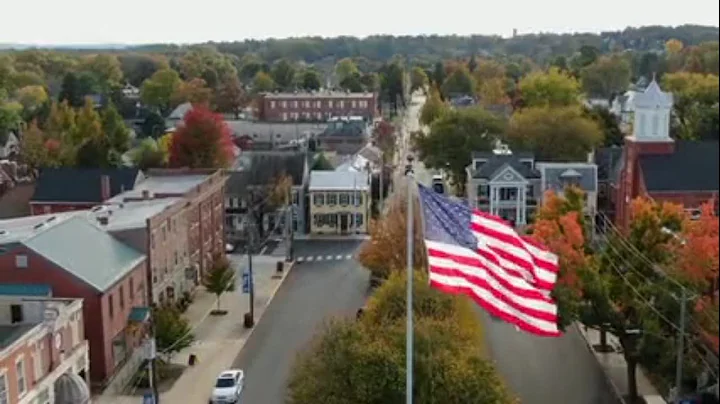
x=507, y=275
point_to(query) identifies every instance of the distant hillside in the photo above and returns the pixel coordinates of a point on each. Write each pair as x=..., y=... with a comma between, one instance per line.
x=540, y=47
x=102, y=46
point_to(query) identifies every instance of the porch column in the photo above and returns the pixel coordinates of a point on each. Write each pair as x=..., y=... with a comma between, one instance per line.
x=493, y=197
x=523, y=205
x=518, y=205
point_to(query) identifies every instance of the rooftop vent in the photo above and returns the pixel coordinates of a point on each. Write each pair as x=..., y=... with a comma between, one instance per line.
x=51, y=219
x=39, y=225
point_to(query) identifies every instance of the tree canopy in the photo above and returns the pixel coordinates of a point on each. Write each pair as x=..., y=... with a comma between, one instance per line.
x=364, y=362
x=203, y=141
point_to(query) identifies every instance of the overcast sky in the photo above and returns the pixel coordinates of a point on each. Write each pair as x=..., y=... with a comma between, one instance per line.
x=153, y=21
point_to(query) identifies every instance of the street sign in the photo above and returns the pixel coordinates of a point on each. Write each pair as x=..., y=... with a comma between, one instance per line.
x=148, y=398
x=246, y=282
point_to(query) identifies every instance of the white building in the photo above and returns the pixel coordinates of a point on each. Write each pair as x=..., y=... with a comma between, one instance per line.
x=339, y=202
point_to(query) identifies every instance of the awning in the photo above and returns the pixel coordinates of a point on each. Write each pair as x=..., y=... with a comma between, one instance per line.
x=71, y=389
x=139, y=314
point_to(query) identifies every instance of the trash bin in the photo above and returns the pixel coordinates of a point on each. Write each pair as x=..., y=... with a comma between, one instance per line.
x=280, y=266
x=192, y=360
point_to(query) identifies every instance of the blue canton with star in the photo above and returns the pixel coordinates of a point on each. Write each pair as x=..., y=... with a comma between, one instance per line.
x=445, y=220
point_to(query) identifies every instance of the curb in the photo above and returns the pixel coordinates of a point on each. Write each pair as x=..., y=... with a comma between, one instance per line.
x=608, y=380
x=260, y=314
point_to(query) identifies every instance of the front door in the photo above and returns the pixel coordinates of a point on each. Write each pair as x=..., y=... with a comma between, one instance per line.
x=343, y=223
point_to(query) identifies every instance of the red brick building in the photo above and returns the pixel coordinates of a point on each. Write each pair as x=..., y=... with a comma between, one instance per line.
x=43, y=352
x=316, y=106
x=654, y=165
x=176, y=218
x=76, y=259
x=67, y=189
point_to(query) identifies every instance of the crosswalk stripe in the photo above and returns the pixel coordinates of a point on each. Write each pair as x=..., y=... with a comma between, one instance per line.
x=329, y=257
x=300, y=259
x=310, y=258
x=319, y=258
x=338, y=257
x=348, y=257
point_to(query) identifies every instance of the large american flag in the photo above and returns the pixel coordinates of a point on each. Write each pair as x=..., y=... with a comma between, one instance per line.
x=479, y=255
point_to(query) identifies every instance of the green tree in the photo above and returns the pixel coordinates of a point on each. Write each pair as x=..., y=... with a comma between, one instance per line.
x=283, y=74
x=352, y=83
x=695, y=103
x=159, y=88
x=10, y=118
x=554, y=134
x=230, y=97
x=115, y=130
x=87, y=124
x=172, y=331
x=418, y=79
x=552, y=88
x=438, y=75
x=75, y=87
x=262, y=83
x=220, y=278
x=609, y=125
x=106, y=69
x=138, y=67
x=433, y=108
x=345, y=68
x=148, y=155
x=454, y=136
x=392, y=84
x=27, y=78
x=607, y=76
x=311, y=80
x=194, y=91
x=31, y=98
x=32, y=147
x=321, y=163
x=363, y=362
x=460, y=82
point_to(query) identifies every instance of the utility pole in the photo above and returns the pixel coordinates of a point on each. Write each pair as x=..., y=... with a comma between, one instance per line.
x=152, y=362
x=288, y=227
x=410, y=250
x=681, y=347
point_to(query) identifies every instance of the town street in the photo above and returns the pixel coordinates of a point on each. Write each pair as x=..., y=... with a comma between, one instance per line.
x=314, y=290
x=537, y=370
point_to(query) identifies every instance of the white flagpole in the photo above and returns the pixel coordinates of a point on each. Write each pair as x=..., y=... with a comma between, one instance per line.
x=410, y=250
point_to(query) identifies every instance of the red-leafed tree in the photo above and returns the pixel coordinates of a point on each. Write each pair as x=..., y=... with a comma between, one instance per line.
x=559, y=227
x=202, y=141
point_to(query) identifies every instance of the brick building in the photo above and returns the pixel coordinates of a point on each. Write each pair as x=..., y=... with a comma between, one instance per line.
x=73, y=258
x=176, y=218
x=316, y=106
x=66, y=189
x=655, y=165
x=43, y=351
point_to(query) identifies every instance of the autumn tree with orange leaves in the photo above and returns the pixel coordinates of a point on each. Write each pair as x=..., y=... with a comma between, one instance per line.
x=386, y=250
x=203, y=140
x=559, y=226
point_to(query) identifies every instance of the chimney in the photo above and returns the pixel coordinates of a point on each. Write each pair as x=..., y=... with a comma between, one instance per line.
x=145, y=194
x=104, y=188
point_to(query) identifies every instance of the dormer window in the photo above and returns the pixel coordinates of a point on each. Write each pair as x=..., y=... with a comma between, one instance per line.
x=479, y=164
x=527, y=163
x=570, y=177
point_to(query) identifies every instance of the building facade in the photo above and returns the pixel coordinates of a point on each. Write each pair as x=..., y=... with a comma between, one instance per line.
x=176, y=218
x=316, y=106
x=105, y=273
x=340, y=202
x=511, y=185
x=656, y=166
x=43, y=354
x=69, y=189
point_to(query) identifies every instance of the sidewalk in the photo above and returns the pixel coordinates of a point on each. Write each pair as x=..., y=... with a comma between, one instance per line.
x=615, y=370
x=218, y=339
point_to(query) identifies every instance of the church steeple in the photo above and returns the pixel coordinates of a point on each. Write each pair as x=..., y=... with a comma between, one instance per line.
x=652, y=114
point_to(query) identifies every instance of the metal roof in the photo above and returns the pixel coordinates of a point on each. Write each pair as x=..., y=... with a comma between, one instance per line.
x=339, y=181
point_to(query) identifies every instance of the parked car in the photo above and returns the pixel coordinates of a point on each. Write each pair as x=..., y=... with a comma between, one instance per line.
x=228, y=387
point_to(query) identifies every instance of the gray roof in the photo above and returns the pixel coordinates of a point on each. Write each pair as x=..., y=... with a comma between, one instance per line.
x=317, y=94
x=276, y=132
x=338, y=181
x=555, y=175
x=85, y=251
x=496, y=162
x=258, y=169
x=179, y=112
x=653, y=97
x=692, y=167
x=176, y=185
x=11, y=333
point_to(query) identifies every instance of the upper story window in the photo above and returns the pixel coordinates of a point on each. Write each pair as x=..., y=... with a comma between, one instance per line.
x=358, y=198
x=479, y=164
x=21, y=379
x=344, y=199
x=342, y=104
x=483, y=191
x=318, y=104
x=283, y=104
x=21, y=261
x=330, y=104
x=295, y=197
x=353, y=104
x=331, y=198
x=3, y=389
x=111, y=306
x=530, y=192
x=508, y=194
x=319, y=199
x=121, y=294
x=272, y=104
x=294, y=104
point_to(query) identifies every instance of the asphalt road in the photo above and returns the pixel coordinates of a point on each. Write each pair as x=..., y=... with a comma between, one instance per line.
x=312, y=292
x=546, y=370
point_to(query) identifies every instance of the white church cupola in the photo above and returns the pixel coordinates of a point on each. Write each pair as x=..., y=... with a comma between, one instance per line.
x=652, y=114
